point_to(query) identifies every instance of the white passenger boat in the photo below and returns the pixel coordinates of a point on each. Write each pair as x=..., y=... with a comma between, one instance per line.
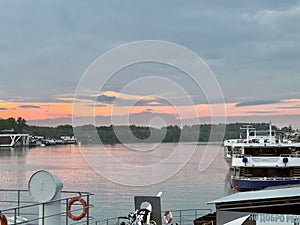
x=263, y=160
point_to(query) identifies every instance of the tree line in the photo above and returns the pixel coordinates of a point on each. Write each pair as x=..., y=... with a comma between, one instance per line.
x=89, y=134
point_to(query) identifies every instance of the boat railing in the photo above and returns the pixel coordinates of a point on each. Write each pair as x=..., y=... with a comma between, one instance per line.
x=266, y=178
x=293, y=155
x=241, y=156
x=19, y=207
x=180, y=217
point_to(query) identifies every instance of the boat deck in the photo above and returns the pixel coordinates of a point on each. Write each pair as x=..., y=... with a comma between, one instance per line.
x=18, y=204
x=19, y=208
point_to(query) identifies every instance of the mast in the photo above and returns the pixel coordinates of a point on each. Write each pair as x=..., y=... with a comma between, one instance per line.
x=270, y=130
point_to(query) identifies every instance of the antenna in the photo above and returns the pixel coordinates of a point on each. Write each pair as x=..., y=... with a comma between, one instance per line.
x=247, y=128
x=270, y=128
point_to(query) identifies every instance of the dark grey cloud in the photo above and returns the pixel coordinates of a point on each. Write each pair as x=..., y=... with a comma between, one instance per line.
x=46, y=46
x=256, y=102
x=262, y=112
x=3, y=109
x=106, y=99
x=29, y=107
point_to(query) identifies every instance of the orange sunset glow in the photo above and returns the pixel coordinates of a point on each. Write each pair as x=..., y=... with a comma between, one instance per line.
x=35, y=110
x=55, y=110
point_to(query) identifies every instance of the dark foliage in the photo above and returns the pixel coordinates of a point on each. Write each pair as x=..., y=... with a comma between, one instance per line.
x=136, y=134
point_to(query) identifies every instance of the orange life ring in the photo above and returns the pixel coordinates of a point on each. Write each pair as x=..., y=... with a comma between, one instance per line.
x=84, y=209
x=168, y=217
x=3, y=219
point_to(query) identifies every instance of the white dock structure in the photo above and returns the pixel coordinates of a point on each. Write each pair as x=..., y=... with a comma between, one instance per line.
x=10, y=139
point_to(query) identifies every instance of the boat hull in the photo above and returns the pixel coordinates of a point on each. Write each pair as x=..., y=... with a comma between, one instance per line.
x=258, y=184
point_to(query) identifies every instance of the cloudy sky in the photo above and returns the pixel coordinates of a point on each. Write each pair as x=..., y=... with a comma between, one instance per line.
x=252, y=48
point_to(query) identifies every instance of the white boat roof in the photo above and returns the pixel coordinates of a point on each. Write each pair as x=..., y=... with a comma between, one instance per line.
x=259, y=195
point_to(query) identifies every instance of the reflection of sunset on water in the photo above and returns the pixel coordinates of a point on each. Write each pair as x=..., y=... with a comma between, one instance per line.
x=112, y=199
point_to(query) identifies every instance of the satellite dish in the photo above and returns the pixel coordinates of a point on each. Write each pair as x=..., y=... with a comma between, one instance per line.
x=43, y=186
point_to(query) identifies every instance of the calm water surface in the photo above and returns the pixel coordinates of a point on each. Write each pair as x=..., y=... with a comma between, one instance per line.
x=190, y=188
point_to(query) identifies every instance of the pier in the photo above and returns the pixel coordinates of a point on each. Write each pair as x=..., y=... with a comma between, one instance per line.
x=9, y=138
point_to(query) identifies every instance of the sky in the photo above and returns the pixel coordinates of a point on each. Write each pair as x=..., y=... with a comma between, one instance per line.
x=250, y=47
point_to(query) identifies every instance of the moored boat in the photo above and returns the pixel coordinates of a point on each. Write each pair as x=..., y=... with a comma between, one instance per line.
x=261, y=162
x=234, y=147
x=258, y=166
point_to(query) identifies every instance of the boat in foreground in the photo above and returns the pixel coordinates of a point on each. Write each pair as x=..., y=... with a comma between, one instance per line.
x=45, y=203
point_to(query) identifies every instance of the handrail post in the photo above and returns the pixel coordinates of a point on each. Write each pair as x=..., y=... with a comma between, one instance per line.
x=15, y=216
x=180, y=216
x=19, y=201
x=88, y=210
x=43, y=217
x=67, y=219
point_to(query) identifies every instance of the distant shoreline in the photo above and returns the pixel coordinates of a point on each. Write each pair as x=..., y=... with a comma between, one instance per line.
x=89, y=134
x=278, y=120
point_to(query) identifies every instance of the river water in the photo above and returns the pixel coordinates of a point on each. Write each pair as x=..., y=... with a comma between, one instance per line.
x=202, y=176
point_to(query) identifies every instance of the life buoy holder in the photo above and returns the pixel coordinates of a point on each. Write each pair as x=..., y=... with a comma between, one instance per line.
x=3, y=219
x=85, y=208
x=168, y=217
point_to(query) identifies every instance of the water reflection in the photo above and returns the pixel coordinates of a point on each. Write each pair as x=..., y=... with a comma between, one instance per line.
x=189, y=188
x=11, y=152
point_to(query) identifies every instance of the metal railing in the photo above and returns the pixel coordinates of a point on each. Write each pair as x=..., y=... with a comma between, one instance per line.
x=266, y=178
x=293, y=155
x=180, y=217
x=17, y=204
